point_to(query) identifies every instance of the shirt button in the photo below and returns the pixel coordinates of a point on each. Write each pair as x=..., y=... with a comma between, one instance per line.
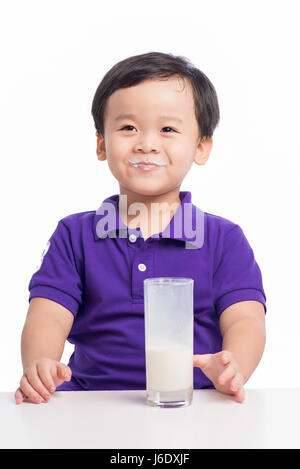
x=132, y=238
x=142, y=267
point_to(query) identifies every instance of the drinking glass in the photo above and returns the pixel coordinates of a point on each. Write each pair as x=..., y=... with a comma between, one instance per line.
x=169, y=334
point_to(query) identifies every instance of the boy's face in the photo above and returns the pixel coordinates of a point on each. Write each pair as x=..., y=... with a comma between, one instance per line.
x=148, y=134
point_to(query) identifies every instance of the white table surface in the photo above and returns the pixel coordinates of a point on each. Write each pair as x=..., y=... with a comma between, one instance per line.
x=268, y=418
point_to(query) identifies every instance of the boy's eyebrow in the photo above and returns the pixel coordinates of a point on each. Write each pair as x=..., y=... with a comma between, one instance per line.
x=132, y=116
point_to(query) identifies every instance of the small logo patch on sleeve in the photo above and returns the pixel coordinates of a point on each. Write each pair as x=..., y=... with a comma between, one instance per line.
x=43, y=255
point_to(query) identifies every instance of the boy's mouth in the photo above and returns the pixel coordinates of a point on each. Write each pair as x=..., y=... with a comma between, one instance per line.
x=146, y=165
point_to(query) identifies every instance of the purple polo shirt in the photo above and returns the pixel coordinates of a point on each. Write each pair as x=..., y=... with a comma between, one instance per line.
x=95, y=266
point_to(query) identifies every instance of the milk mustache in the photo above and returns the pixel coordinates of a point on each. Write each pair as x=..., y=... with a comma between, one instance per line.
x=169, y=368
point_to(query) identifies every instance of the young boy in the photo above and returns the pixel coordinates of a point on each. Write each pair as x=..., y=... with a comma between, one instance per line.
x=155, y=115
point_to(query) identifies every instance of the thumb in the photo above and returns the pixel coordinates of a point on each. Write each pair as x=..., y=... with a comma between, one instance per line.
x=202, y=360
x=63, y=371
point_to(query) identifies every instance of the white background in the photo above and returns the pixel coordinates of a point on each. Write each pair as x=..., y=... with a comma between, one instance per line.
x=53, y=56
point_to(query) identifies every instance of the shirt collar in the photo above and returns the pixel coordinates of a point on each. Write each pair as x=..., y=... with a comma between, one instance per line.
x=187, y=224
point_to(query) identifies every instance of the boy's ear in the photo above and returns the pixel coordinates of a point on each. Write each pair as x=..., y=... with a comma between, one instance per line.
x=203, y=151
x=100, y=150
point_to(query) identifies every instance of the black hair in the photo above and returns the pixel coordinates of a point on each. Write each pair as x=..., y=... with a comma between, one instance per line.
x=158, y=65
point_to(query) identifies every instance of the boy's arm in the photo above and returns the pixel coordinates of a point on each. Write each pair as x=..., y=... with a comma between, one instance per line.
x=44, y=334
x=242, y=327
x=45, y=330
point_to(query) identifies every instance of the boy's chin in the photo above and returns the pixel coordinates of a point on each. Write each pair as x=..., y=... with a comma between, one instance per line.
x=147, y=189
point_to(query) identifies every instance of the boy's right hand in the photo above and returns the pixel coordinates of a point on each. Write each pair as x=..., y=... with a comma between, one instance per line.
x=40, y=379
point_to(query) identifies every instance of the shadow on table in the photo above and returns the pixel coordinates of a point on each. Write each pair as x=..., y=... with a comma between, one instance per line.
x=216, y=396
x=212, y=395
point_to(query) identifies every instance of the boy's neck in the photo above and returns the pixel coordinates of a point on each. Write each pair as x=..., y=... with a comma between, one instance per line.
x=155, y=214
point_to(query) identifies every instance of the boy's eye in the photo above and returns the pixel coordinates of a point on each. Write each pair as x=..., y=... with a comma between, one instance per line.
x=126, y=127
x=170, y=129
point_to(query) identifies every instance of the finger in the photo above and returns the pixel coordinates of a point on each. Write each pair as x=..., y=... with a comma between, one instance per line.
x=63, y=371
x=19, y=396
x=240, y=395
x=229, y=372
x=46, y=377
x=236, y=382
x=29, y=391
x=202, y=360
x=35, y=381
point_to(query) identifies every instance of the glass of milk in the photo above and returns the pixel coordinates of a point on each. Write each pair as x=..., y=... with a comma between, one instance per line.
x=169, y=334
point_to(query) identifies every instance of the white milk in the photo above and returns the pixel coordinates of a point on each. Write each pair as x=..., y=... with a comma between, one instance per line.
x=169, y=368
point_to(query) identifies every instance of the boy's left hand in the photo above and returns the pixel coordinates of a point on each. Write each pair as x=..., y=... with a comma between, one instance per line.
x=223, y=370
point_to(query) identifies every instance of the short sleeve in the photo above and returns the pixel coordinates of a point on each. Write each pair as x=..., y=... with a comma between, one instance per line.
x=237, y=276
x=58, y=278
